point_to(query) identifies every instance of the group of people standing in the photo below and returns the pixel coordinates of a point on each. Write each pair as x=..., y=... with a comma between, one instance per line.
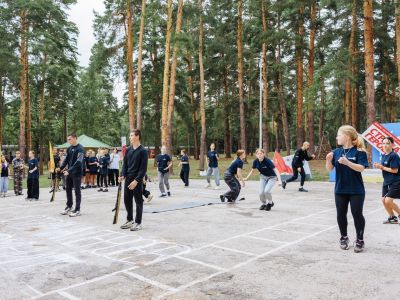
x=349, y=161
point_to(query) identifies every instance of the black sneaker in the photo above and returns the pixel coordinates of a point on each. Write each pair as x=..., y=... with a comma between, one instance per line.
x=105, y=190
x=269, y=206
x=344, y=243
x=100, y=190
x=302, y=190
x=163, y=195
x=222, y=197
x=284, y=183
x=263, y=207
x=169, y=194
x=358, y=246
x=391, y=220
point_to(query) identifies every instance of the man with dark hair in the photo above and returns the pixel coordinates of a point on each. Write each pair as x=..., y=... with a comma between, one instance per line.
x=133, y=171
x=72, y=169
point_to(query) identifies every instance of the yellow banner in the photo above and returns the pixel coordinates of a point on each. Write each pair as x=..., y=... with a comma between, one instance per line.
x=51, y=163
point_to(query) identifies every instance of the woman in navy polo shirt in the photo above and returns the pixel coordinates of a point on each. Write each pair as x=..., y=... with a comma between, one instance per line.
x=269, y=174
x=390, y=166
x=234, y=170
x=349, y=161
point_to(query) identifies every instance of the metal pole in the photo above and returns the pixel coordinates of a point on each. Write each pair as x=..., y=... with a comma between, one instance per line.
x=261, y=107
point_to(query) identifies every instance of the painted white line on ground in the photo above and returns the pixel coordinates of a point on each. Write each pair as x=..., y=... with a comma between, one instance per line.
x=35, y=290
x=233, y=250
x=150, y=281
x=200, y=280
x=85, y=282
x=264, y=239
x=311, y=224
x=68, y=296
x=200, y=263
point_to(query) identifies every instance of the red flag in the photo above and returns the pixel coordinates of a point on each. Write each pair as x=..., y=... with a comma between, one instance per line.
x=123, y=150
x=280, y=164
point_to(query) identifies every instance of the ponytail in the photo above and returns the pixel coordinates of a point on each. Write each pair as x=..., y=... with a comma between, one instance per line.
x=359, y=143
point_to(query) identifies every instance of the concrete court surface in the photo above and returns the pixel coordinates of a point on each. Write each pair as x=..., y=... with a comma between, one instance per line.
x=221, y=251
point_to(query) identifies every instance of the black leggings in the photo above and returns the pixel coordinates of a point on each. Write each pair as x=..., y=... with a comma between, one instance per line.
x=104, y=180
x=296, y=174
x=356, y=203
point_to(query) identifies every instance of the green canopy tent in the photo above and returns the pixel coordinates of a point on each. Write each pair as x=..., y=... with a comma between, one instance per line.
x=87, y=142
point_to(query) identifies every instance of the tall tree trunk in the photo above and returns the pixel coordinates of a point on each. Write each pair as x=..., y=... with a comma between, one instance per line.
x=369, y=61
x=2, y=110
x=189, y=59
x=369, y=64
x=265, y=109
x=41, y=114
x=385, y=114
x=227, y=129
x=202, y=97
x=281, y=98
x=139, y=75
x=299, y=76
x=171, y=98
x=23, y=82
x=353, y=65
x=348, y=81
x=156, y=82
x=397, y=13
x=322, y=113
x=310, y=81
x=129, y=62
x=242, y=143
x=164, y=111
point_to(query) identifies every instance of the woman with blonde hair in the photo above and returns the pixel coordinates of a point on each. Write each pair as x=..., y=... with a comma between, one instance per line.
x=349, y=161
x=4, y=170
x=269, y=175
x=234, y=170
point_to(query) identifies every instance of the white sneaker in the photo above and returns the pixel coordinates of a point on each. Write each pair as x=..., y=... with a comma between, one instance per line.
x=66, y=211
x=75, y=213
x=136, y=227
x=208, y=185
x=217, y=187
x=127, y=225
x=149, y=198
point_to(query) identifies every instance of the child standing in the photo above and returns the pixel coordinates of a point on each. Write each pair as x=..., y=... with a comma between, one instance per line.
x=33, y=177
x=4, y=176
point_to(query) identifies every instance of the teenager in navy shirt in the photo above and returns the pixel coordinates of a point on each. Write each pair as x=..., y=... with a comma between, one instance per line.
x=234, y=170
x=103, y=165
x=269, y=175
x=164, y=163
x=33, y=177
x=349, y=161
x=185, y=169
x=212, y=162
x=390, y=166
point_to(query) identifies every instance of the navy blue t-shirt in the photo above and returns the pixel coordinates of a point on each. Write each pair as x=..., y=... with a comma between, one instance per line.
x=391, y=160
x=237, y=164
x=212, y=159
x=349, y=181
x=162, y=162
x=32, y=163
x=185, y=158
x=266, y=167
x=92, y=168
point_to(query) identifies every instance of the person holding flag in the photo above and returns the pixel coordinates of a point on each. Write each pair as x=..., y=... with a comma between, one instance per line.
x=54, y=165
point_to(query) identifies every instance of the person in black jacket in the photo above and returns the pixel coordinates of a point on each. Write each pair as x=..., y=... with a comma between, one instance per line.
x=133, y=171
x=297, y=165
x=72, y=169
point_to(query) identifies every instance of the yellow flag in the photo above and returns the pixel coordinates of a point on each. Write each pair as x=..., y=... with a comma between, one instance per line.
x=51, y=163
